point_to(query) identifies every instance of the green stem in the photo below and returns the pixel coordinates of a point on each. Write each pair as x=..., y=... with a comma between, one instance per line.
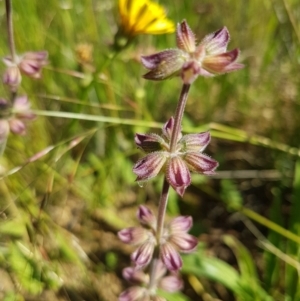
x=178, y=116
x=166, y=186
x=162, y=210
x=10, y=30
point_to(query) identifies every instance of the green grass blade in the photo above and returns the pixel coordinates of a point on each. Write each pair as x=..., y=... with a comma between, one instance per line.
x=291, y=274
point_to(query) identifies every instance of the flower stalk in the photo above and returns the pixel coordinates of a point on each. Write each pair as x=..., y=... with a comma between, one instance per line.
x=162, y=206
x=176, y=156
x=178, y=116
x=163, y=202
x=10, y=31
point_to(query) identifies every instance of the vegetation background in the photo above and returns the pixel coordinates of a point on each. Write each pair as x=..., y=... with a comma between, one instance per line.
x=60, y=211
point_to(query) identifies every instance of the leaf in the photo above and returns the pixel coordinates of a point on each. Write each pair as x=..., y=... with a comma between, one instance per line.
x=212, y=268
x=292, y=275
x=248, y=275
x=230, y=195
x=173, y=296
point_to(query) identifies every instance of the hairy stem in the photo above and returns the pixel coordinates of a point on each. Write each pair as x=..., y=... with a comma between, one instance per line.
x=178, y=116
x=162, y=206
x=162, y=209
x=10, y=30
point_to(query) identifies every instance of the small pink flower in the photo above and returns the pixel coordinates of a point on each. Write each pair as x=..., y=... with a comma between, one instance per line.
x=135, y=276
x=134, y=293
x=170, y=257
x=143, y=289
x=142, y=237
x=189, y=60
x=14, y=117
x=12, y=76
x=176, y=239
x=146, y=217
x=134, y=235
x=30, y=64
x=143, y=254
x=177, y=165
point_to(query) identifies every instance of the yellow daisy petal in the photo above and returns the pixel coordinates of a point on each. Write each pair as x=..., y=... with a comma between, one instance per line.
x=144, y=17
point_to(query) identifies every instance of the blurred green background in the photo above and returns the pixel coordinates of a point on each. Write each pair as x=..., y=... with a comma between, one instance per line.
x=60, y=213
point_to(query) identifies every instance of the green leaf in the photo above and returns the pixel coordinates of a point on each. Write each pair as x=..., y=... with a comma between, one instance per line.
x=230, y=195
x=173, y=296
x=23, y=267
x=248, y=274
x=272, y=262
x=292, y=275
x=245, y=261
x=214, y=269
x=14, y=228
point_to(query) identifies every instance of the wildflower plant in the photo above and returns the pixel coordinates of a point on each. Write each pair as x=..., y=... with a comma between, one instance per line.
x=39, y=222
x=15, y=110
x=175, y=156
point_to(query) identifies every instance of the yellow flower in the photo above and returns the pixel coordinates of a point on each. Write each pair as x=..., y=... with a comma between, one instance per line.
x=144, y=17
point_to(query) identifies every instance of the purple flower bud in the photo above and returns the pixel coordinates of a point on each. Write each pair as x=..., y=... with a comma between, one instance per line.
x=146, y=217
x=184, y=242
x=149, y=143
x=21, y=108
x=170, y=257
x=171, y=284
x=164, y=64
x=31, y=63
x=143, y=254
x=216, y=42
x=178, y=174
x=194, y=142
x=135, y=276
x=134, y=293
x=134, y=235
x=168, y=128
x=189, y=61
x=149, y=166
x=17, y=126
x=185, y=37
x=177, y=164
x=12, y=76
x=181, y=224
x=200, y=163
x=223, y=62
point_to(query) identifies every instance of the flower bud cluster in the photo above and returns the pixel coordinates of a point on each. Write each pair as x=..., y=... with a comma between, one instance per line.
x=177, y=165
x=14, y=112
x=174, y=239
x=189, y=60
x=13, y=118
x=143, y=290
x=29, y=64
